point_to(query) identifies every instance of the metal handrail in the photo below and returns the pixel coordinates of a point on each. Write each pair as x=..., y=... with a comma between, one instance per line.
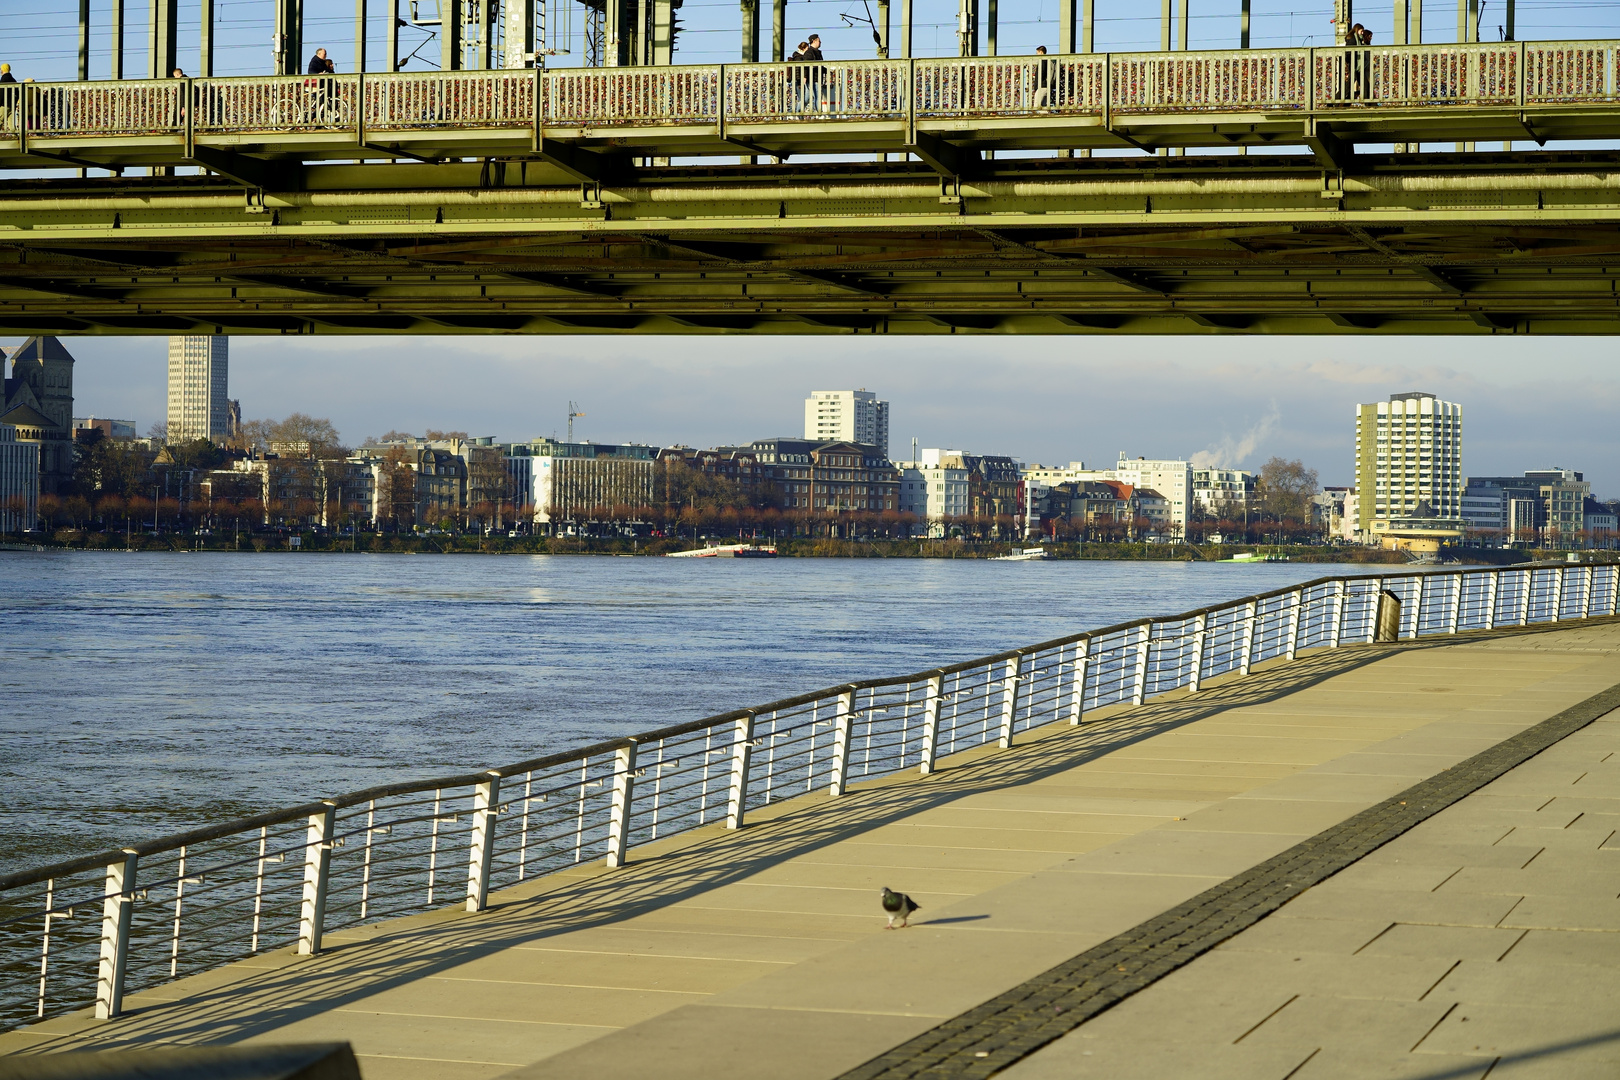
x=708, y=98
x=405, y=846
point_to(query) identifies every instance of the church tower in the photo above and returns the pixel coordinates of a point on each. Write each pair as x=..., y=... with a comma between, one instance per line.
x=42, y=383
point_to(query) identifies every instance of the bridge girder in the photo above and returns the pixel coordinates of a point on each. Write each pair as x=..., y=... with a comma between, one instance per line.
x=1411, y=244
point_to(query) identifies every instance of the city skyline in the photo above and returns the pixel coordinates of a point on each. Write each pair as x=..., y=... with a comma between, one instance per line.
x=1240, y=400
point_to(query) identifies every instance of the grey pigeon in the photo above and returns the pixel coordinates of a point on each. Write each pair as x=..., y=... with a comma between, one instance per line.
x=899, y=906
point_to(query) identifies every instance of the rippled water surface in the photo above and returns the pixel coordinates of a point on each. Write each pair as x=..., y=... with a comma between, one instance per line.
x=148, y=693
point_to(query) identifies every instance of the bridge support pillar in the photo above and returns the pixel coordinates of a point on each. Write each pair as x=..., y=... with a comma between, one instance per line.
x=163, y=39
x=624, y=790
x=452, y=34
x=662, y=45
x=117, y=911
x=1077, y=689
x=288, y=36
x=843, y=730
x=779, y=29
x=737, y=792
x=883, y=29
x=750, y=31
x=932, y=690
x=317, y=876
x=1010, y=682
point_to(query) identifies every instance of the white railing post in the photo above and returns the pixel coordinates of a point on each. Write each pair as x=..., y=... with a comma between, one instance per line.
x=1558, y=595
x=741, y=752
x=843, y=725
x=1296, y=601
x=1493, y=580
x=1529, y=591
x=1586, y=594
x=1614, y=589
x=1337, y=629
x=1010, y=682
x=932, y=689
x=1077, y=690
x=1455, y=619
x=1197, y=671
x=317, y=874
x=624, y=789
x=1251, y=614
x=481, y=853
x=117, y=911
x=1139, y=682
x=1417, y=607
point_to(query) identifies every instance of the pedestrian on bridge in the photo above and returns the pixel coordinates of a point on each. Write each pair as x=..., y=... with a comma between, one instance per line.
x=8, y=96
x=818, y=74
x=320, y=98
x=799, y=98
x=1043, y=79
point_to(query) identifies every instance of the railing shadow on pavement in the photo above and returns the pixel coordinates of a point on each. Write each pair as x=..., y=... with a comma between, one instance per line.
x=238, y=1002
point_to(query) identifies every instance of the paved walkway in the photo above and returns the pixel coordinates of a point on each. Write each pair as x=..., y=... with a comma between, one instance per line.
x=730, y=955
x=1485, y=941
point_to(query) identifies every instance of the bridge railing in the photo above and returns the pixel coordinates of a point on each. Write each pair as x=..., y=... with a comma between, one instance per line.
x=87, y=931
x=1094, y=85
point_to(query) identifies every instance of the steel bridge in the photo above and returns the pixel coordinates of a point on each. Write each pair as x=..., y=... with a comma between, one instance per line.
x=1269, y=191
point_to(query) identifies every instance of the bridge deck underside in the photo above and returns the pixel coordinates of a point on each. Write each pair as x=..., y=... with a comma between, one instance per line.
x=1435, y=243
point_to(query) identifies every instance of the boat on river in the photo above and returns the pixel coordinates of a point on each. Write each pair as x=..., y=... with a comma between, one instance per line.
x=1027, y=555
x=727, y=551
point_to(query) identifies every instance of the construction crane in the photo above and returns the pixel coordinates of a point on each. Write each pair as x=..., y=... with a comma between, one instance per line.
x=573, y=411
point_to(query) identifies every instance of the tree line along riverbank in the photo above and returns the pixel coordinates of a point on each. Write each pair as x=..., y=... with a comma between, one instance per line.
x=463, y=543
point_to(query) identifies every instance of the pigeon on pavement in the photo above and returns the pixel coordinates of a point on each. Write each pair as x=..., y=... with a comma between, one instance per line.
x=899, y=906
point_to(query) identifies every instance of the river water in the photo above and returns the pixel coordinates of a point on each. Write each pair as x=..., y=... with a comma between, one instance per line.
x=148, y=693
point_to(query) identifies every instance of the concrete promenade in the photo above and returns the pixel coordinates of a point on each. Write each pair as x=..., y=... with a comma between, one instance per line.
x=763, y=953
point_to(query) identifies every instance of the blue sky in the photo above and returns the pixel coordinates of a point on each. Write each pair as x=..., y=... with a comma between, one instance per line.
x=1528, y=402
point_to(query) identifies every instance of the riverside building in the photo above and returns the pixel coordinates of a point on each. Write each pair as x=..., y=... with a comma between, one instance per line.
x=934, y=489
x=198, y=377
x=581, y=482
x=853, y=416
x=19, y=481
x=1409, y=469
x=37, y=400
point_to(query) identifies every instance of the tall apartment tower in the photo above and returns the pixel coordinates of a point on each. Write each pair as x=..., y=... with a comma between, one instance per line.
x=848, y=416
x=198, y=377
x=1408, y=459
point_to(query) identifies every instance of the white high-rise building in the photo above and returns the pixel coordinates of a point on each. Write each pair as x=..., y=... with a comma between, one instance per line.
x=847, y=416
x=198, y=377
x=1408, y=460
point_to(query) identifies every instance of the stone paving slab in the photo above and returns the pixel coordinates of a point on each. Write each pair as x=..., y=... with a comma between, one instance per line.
x=585, y=972
x=1514, y=963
